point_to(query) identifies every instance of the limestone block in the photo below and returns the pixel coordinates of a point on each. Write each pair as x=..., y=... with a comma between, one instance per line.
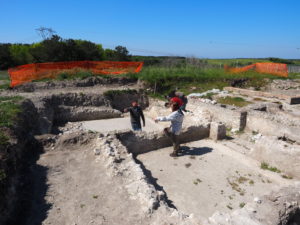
x=217, y=131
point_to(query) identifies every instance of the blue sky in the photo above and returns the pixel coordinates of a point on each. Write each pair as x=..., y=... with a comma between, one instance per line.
x=206, y=29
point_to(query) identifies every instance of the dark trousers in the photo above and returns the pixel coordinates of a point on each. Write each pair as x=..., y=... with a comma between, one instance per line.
x=136, y=126
x=174, y=139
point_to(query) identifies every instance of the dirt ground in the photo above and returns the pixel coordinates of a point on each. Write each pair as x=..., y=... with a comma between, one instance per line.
x=208, y=177
x=73, y=186
x=79, y=191
x=118, y=124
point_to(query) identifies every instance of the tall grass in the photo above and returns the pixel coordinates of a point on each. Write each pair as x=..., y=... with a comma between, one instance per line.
x=191, y=78
x=191, y=73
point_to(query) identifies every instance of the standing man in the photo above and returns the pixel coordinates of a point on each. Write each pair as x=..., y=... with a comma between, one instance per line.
x=136, y=113
x=176, y=118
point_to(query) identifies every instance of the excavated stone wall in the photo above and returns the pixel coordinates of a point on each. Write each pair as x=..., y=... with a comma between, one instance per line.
x=61, y=108
x=142, y=142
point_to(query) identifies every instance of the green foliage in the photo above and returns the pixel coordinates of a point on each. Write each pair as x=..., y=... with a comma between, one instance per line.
x=242, y=204
x=112, y=93
x=236, y=101
x=265, y=166
x=4, y=140
x=4, y=75
x=286, y=177
x=278, y=60
x=20, y=54
x=190, y=78
x=9, y=110
x=4, y=86
x=5, y=57
x=208, y=95
x=75, y=74
x=122, y=54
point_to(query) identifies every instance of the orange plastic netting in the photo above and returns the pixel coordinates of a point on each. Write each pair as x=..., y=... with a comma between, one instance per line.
x=26, y=73
x=278, y=69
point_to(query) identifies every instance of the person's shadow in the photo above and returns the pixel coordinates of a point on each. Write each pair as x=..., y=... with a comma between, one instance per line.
x=193, y=151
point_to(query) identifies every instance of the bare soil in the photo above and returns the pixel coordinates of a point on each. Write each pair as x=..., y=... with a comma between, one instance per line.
x=79, y=191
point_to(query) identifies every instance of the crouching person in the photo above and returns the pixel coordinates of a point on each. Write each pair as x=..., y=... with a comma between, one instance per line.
x=176, y=118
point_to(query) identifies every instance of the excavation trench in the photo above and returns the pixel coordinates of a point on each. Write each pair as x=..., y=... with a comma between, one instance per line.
x=208, y=176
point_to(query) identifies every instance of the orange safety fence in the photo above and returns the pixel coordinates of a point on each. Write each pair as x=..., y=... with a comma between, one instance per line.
x=37, y=71
x=278, y=69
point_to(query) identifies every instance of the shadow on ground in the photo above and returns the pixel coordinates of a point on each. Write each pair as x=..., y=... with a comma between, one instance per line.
x=33, y=207
x=186, y=150
x=152, y=180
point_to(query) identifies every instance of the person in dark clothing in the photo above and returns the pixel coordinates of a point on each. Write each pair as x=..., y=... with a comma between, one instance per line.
x=136, y=113
x=179, y=97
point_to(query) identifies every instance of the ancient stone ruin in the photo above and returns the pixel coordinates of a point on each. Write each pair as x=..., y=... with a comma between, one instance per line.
x=75, y=160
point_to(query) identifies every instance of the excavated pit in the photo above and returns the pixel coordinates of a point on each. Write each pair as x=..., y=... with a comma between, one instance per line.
x=207, y=177
x=132, y=179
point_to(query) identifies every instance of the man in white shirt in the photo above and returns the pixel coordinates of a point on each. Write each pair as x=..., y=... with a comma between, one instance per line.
x=176, y=118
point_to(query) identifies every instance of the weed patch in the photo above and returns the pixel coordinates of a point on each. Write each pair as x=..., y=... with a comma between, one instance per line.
x=242, y=204
x=9, y=110
x=265, y=166
x=112, y=93
x=235, y=101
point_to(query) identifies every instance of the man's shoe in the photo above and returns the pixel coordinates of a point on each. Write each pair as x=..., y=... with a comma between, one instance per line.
x=173, y=154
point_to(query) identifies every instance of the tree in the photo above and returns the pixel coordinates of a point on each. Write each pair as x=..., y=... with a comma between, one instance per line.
x=87, y=50
x=45, y=33
x=5, y=57
x=20, y=54
x=109, y=54
x=122, y=53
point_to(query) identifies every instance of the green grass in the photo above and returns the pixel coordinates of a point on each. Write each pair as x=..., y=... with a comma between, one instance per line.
x=81, y=74
x=4, y=79
x=266, y=166
x=208, y=96
x=4, y=75
x=234, y=62
x=242, y=204
x=4, y=139
x=235, y=101
x=9, y=110
x=111, y=93
x=286, y=176
x=194, y=79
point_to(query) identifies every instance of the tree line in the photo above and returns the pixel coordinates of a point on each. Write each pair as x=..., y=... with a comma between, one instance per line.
x=56, y=49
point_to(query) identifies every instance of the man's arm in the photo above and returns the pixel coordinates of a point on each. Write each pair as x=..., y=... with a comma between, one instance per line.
x=170, y=117
x=143, y=118
x=126, y=109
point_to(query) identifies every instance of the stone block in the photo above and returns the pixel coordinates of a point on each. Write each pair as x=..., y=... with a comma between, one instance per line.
x=217, y=131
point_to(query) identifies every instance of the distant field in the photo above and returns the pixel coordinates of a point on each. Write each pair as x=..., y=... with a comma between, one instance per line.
x=235, y=61
x=245, y=61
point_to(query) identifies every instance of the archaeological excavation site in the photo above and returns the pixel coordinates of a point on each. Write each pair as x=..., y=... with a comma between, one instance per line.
x=72, y=157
